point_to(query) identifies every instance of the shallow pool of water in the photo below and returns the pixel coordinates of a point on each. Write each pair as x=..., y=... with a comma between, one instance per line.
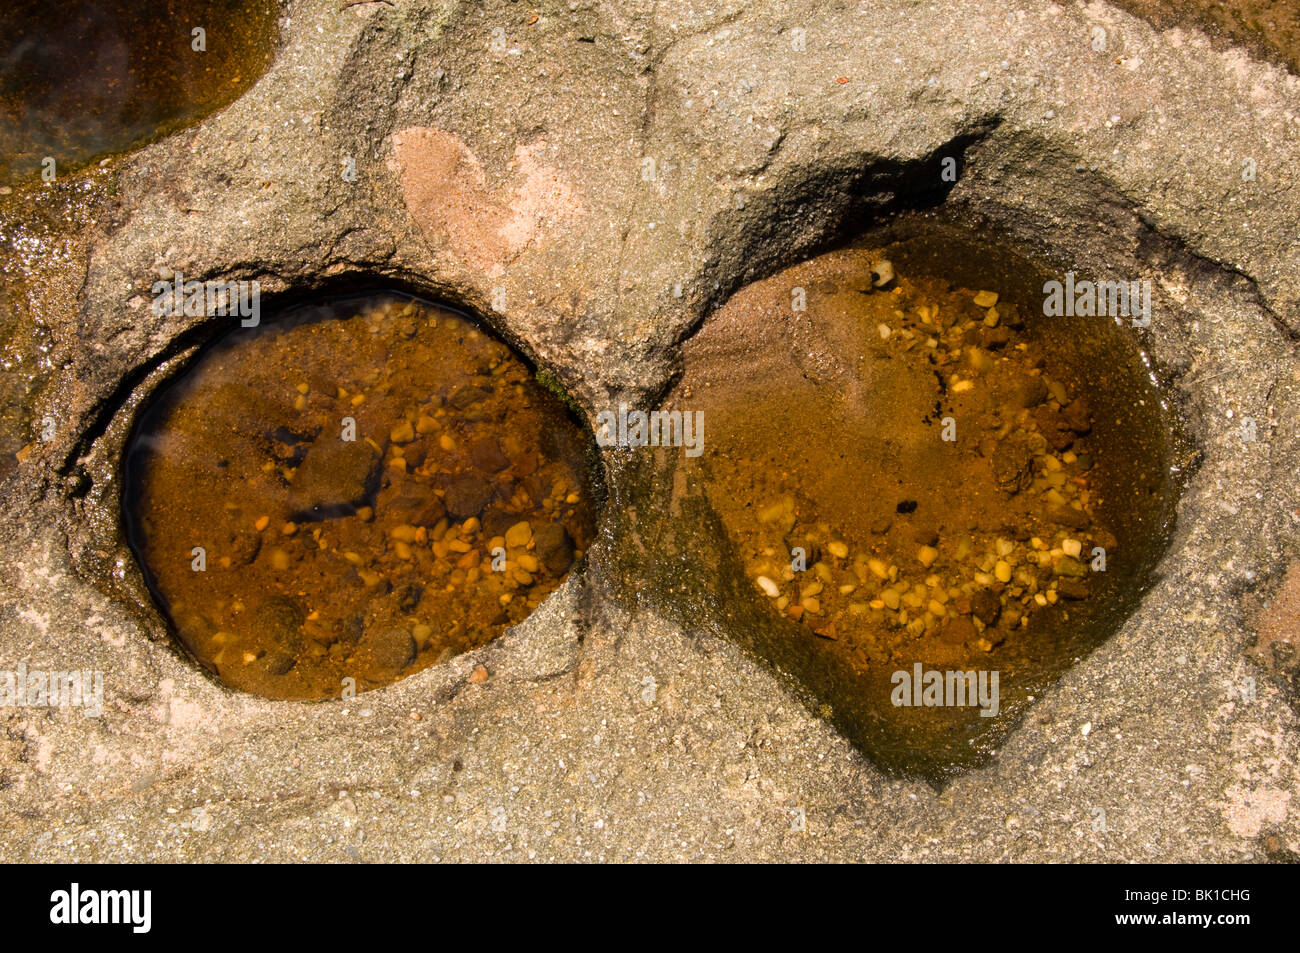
x=352, y=491
x=908, y=476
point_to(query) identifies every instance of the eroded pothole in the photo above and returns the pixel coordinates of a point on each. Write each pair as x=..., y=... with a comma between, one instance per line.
x=920, y=476
x=351, y=492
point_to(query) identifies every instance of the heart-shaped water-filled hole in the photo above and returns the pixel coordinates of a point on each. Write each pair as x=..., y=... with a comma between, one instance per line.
x=917, y=494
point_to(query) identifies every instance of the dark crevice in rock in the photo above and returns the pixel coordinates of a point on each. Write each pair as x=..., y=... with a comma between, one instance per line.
x=817, y=207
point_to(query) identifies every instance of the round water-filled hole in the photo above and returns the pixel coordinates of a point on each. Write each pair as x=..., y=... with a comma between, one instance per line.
x=354, y=490
x=938, y=497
